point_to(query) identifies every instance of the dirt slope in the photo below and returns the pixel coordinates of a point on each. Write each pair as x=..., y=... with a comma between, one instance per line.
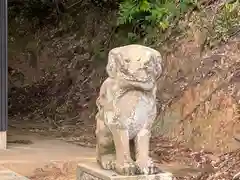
x=200, y=96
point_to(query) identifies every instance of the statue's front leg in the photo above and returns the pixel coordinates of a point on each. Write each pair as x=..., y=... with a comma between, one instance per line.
x=124, y=165
x=143, y=161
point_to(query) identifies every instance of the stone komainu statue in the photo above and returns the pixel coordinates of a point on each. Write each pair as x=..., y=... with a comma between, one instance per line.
x=127, y=109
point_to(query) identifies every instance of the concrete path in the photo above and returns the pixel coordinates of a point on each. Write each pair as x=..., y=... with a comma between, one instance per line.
x=24, y=159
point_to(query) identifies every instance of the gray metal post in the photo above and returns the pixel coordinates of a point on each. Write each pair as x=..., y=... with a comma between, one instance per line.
x=3, y=73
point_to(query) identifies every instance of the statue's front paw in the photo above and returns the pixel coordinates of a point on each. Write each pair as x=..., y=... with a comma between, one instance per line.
x=126, y=169
x=107, y=161
x=147, y=167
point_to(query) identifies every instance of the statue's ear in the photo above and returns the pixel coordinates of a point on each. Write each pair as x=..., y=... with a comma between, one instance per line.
x=112, y=66
x=158, y=66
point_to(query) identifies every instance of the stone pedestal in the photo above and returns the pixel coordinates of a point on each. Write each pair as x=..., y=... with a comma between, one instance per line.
x=6, y=174
x=92, y=171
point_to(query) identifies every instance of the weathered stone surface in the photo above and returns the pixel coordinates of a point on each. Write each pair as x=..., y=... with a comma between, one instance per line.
x=127, y=109
x=92, y=171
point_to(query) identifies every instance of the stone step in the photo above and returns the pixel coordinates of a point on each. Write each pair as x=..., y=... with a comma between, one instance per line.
x=6, y=174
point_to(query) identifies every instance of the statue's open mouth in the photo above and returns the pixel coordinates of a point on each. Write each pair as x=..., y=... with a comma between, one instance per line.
x=137, y=80
x=141, y=84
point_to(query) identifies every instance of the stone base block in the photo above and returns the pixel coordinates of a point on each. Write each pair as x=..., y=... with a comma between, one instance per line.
x=92, y=171
x=6, y=174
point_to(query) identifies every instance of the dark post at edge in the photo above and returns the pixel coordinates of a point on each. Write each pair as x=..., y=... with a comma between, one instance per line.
x=3, y=66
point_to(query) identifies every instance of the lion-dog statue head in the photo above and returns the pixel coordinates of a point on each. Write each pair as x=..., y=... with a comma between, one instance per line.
x=127, y=109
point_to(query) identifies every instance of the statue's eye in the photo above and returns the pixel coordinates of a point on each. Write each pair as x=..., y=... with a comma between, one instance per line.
x=147, y=64
x=127, y=60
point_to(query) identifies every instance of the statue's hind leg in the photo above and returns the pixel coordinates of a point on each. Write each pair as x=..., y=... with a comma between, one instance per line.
x=105, y=146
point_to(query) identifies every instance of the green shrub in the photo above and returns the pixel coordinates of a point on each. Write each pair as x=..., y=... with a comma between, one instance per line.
x=227, y=23
x=154, y=13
